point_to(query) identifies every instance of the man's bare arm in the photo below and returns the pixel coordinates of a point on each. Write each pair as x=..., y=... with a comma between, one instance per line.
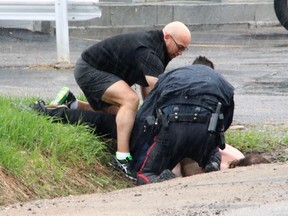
x=151, y=81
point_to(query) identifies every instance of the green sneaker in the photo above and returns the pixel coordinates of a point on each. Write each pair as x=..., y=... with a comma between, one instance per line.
x=64, y=97
x=124, y=167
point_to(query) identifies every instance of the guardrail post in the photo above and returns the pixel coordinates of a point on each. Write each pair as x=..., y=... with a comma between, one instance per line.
x=62, y=31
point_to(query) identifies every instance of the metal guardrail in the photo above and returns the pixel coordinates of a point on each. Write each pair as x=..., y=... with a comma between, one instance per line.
x=44, y=10
x=60, y=11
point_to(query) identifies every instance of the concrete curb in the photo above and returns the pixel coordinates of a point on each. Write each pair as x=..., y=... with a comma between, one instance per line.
x=119, y=18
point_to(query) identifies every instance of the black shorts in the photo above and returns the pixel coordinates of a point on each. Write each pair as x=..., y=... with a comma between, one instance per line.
x=93, y=83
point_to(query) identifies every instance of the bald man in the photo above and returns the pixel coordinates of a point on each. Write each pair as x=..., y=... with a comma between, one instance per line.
x=107, y=70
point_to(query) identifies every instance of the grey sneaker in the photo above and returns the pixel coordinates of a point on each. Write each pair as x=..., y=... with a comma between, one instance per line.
x=123, y=166
x=164, y=175
x=64, y=97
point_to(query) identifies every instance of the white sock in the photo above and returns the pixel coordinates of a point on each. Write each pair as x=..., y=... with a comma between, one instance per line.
x=122, y=155
x=74, y=105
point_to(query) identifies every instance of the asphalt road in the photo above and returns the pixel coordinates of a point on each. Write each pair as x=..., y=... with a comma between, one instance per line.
x=253, y=60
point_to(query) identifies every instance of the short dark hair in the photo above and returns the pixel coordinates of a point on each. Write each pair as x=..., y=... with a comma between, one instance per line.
x=203, y=61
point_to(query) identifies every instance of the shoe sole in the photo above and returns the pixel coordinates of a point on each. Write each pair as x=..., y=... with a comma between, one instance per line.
x=116, y=167
x=62, y=94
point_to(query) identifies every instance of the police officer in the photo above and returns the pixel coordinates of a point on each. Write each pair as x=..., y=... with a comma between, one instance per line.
x=184, y=116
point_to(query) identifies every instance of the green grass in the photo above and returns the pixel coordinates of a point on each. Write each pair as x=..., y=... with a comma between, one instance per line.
x=256, y=139
x=50, y=159
x=40, y=158
x=29, y=132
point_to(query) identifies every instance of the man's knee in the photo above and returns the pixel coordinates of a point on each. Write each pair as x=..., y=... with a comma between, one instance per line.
x=121, y=94
x=165, y=175
x=132, y=101
x=142, y=179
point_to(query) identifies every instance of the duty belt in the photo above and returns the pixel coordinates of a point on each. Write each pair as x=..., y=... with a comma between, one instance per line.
x=188, y=118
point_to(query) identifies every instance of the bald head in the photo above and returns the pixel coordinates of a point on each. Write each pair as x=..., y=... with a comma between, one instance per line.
x=178, y=30
x=177, y=38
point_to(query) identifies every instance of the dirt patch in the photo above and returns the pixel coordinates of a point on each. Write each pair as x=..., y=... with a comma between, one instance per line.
x=229, y=192
x=12, y=189
x=74, y=182
x=62, y=65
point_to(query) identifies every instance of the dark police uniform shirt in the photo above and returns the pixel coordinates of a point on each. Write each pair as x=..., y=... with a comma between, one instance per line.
x=130, y=56
x=185, y=85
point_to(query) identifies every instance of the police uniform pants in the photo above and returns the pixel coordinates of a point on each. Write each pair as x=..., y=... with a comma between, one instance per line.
x=176, y=142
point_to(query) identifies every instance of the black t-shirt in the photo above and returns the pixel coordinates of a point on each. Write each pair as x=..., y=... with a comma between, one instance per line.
x=130, y=56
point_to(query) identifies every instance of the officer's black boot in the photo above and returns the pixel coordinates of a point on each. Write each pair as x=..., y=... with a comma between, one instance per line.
x=213, y=164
